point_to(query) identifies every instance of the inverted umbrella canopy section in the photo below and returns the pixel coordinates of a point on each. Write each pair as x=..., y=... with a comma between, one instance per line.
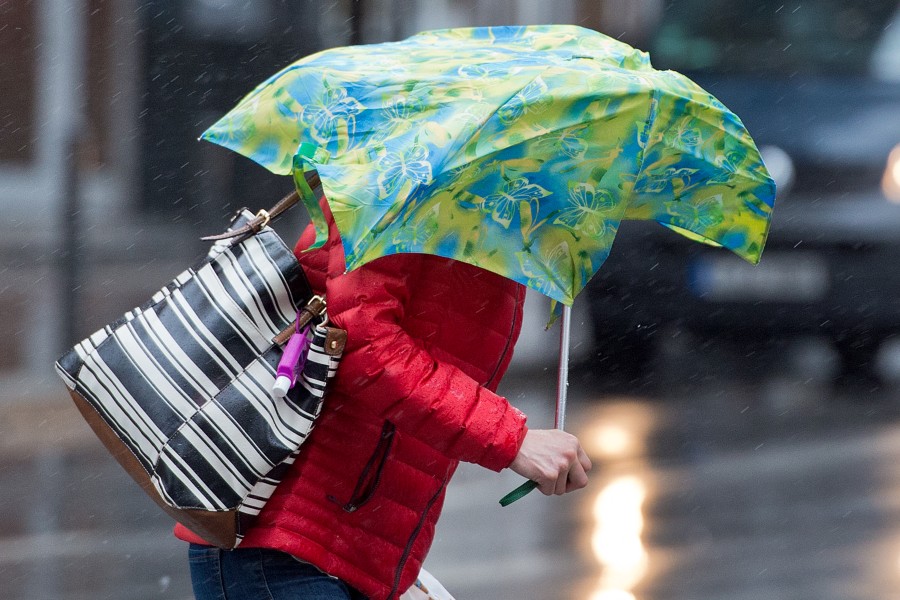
x=516, y=149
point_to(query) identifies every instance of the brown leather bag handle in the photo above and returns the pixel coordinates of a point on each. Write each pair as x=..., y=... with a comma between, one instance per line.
x=263, y=217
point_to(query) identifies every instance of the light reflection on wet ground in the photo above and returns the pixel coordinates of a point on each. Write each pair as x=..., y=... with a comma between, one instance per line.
x=729, y=489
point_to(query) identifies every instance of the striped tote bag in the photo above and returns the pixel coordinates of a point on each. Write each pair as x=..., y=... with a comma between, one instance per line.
x=180, y=389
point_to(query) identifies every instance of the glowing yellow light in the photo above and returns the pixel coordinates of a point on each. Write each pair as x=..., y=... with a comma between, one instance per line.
x=619, y=429
x=612, y=595
x=890, y=182
x=616, y=540
x=612, y=439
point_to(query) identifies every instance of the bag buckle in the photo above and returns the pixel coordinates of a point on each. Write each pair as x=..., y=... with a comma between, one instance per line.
x=312, y=307
x=265, y=216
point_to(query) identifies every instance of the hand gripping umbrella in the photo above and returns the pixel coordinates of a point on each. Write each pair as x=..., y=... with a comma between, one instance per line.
x=515, y=149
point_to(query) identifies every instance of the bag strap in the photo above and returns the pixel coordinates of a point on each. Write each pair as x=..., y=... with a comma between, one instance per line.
x=314, y=309
x=263, y=217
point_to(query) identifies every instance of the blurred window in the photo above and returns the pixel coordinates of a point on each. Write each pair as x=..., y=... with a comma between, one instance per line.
x=886, y=60
x=19, y=48
x=762, y=38
x=100, y=85
x=18, y=81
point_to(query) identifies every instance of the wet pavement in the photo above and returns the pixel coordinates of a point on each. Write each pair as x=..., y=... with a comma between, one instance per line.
x=724, y=486
x=701, y=494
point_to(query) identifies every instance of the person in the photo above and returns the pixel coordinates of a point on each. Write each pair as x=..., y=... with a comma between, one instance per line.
x=428, y=341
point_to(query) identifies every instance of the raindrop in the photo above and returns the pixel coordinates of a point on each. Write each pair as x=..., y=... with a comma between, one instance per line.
x=164, y=582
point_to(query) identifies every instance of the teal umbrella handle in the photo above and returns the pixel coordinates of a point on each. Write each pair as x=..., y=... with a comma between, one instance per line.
x=561, y=389
x=561, y=392
x=518, y=493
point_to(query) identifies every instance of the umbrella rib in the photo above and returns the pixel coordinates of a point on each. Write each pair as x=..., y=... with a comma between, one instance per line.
x=645, y=137
x=481, y=127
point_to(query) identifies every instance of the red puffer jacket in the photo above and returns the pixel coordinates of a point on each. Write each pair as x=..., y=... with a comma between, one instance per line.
x=428, y=341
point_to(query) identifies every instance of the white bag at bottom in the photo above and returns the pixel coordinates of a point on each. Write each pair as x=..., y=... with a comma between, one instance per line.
x=427, y=587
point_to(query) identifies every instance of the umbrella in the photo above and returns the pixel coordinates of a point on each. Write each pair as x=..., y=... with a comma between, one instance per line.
x=516, y=149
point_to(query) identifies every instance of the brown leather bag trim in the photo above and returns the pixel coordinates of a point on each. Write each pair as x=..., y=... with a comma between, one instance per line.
x=217, y=528
x=260, y=221
x=335, y=340
x=312, y=310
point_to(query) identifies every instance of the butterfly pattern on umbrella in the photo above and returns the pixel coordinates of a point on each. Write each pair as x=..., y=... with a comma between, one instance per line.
x=517, y=149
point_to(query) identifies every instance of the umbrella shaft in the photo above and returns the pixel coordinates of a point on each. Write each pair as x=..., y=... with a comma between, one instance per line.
x=563, y=379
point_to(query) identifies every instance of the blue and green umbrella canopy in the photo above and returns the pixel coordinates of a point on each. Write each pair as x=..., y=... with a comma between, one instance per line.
x=516, y=149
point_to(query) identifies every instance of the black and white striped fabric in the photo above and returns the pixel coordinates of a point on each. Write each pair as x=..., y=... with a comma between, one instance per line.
x=185, y=380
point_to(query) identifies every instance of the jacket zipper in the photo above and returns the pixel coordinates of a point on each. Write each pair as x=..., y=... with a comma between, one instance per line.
x=412, y=538
x=368, y=480
x=361, y=496
x=508, y=341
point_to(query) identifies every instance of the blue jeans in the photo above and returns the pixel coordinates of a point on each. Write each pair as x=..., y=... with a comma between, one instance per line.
x=258, y=574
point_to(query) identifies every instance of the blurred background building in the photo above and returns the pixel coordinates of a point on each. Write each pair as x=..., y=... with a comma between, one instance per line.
x=105, y=190
x=101, y=172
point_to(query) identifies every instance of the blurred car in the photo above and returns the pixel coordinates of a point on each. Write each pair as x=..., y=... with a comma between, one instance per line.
x=819, y=90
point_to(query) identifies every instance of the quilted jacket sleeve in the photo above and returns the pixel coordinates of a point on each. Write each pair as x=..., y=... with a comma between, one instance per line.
x=398, y=378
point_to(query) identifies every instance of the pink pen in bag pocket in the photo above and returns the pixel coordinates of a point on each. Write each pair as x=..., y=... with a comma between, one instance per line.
x=292, y=360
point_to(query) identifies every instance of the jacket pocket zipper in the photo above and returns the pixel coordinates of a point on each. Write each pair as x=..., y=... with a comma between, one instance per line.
x=412, y=538
x=371, y=473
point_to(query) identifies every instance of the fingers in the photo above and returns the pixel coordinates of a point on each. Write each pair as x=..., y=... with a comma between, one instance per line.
x=574, y=477
x=584, y=460
x=554, y=459
x=554, y=481
x=561, y=483
x=547, y=486
x=577, y=478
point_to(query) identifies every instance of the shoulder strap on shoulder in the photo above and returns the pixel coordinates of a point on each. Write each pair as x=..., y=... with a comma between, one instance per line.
x=263, y=217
